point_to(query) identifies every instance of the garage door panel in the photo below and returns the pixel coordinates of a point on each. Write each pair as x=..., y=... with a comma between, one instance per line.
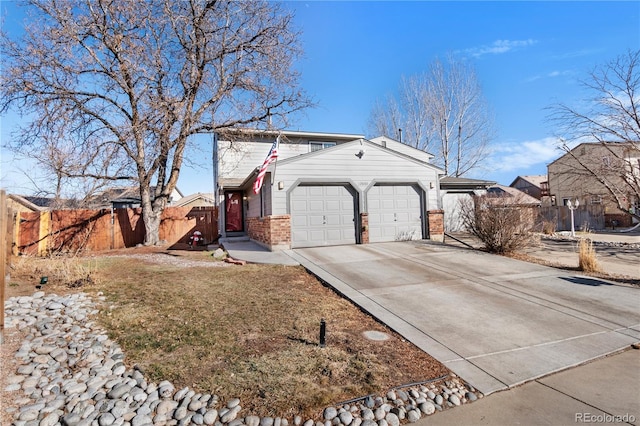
x=331, y=206
x=394, y=213
x=312, y=190
x=328, y=213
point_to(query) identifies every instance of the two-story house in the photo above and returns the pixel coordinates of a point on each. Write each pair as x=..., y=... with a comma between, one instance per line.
x=603, y=174
x=325, y=189
x=536, y=186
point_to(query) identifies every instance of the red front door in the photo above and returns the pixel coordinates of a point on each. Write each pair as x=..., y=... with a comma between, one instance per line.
x=233, y=217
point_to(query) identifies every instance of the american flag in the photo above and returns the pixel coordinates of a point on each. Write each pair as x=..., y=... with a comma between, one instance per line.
x=272, y=156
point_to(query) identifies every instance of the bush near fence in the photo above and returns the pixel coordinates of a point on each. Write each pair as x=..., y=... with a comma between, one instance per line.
x=41, y=233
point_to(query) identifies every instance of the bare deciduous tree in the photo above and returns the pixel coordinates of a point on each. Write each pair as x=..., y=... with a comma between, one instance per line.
x=442, y=112
x=129, y=83
x=610, y=117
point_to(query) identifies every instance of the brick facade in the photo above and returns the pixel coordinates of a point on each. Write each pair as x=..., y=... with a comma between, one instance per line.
x=273, y=232
x=364, y=228
x=436, y=225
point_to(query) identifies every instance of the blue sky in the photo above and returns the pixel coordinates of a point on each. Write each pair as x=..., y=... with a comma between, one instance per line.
x=527, y=55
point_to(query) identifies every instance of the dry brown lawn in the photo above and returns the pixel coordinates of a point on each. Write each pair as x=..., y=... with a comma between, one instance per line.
x=241, y=331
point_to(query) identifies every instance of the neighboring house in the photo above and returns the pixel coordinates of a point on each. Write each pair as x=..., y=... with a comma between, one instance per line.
x=196, y=200
x=19, y=204
x=535, y=185
x=455, y=193
x=513, y=196
x=125, y=198
x=32, y=203
x=614, y=162
x=326, y=189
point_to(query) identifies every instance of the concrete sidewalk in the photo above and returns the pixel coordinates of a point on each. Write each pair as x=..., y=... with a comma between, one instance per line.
x=605, y=391
x=251, y=252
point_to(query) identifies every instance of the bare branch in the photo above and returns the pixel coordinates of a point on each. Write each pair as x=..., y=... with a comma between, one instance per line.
x=116, y=88
x=442, y=112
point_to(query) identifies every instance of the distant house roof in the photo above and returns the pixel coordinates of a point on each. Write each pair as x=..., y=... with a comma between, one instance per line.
x=630, y=146
x=459, y=183
x=518, y=196
x=44, y=203
x=207, y=197
x=535, y=180
x=121, y=195
x=23, y=201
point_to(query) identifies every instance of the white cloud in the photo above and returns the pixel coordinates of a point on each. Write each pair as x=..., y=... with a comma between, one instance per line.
x=499, y=47
x=523, y=155
x=552, y=74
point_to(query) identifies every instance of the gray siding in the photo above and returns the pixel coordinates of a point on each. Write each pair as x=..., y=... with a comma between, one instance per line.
x=254, y=201
x=240, y=158
x=340, y=164
x=403, y=148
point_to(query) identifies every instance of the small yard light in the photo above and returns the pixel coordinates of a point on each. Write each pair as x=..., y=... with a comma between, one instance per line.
x=323, y=332
x=43, y=281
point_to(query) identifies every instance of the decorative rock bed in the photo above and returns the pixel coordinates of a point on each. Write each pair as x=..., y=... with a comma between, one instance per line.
x=71, y=373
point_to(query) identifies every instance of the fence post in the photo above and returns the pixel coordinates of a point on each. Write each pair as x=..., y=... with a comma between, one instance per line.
x=43, y=234
x=3, y=257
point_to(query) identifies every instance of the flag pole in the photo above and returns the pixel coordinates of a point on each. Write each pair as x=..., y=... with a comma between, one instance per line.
x=273, y=175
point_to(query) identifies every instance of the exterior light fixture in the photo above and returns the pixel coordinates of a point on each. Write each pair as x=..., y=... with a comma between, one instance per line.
x=572, y=207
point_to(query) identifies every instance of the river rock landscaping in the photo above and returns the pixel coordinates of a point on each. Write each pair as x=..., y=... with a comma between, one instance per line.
x=69, y=372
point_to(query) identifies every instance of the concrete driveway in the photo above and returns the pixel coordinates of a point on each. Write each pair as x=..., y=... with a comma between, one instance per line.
x=494, y=321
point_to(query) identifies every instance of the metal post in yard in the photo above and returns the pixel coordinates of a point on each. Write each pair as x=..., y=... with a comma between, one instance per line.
x=323, y=332
x=3, y=257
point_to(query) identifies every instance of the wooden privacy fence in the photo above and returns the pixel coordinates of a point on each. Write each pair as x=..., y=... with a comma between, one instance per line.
x=40, y=233
x=585, y=217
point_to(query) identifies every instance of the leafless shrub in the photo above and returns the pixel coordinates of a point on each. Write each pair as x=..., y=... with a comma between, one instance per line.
x=503, y=223
x=548, y=227
x=587, y=261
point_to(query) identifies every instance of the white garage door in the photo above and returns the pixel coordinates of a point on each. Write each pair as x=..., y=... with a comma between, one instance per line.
x=452, y=206
x=394, y=213
x=322, y=216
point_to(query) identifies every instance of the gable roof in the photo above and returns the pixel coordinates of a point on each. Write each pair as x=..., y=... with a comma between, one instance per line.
x=365, y=144
x=522, y=198
x=125, y=194
x=535, y=180
x=385, y=141
x=461, y=183
x=292, y=134
x=208, y=197
x=634, y=146
x=23, y=201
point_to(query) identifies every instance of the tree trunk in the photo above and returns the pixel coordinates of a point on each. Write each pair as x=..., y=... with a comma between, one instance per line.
x=151, y=215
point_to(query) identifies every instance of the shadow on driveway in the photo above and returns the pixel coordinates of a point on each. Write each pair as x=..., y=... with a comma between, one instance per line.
x=585, y=281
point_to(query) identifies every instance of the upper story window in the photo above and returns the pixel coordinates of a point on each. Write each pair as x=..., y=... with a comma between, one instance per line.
x=317, y=146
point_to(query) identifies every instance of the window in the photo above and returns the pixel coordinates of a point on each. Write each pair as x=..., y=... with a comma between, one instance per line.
x=317, y=146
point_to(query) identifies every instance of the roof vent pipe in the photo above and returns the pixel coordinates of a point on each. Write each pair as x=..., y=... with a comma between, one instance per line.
x=400, y=133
